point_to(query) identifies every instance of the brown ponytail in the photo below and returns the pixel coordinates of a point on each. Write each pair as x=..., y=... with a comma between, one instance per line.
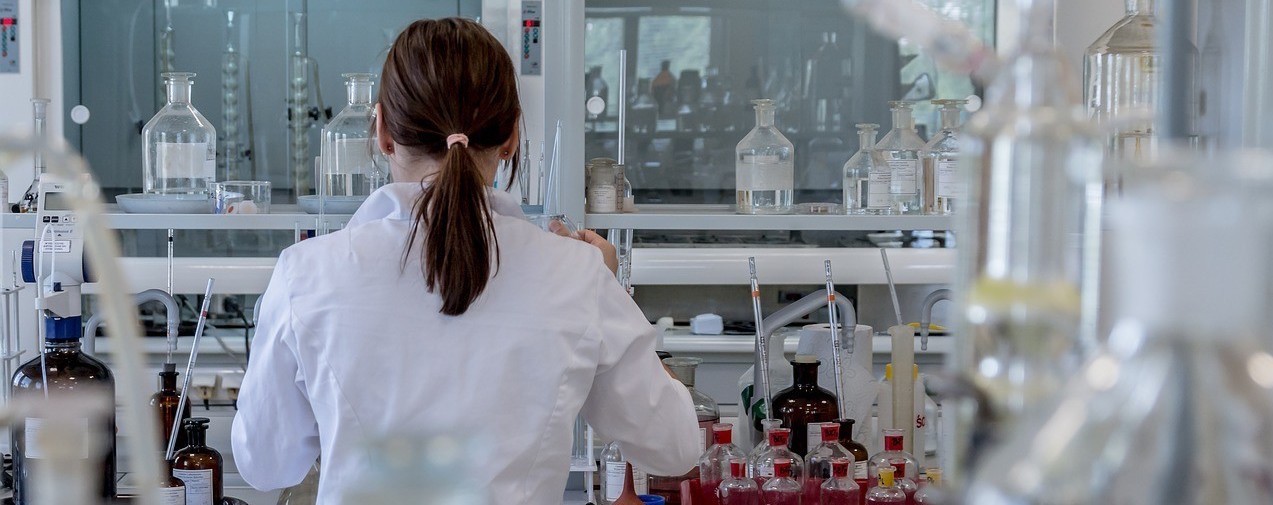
x=442, y=78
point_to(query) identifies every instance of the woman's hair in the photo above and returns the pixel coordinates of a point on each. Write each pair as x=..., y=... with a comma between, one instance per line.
x=442, y=78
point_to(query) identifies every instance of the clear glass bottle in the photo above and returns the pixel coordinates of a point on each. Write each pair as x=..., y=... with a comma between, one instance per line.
x=886, y=492
x=179, y=154
x=737, y=489
x=348, y=169
x=900, y=149
x=713, y=467
x=932, y=493
x=766, y=426
x=804, y=403
x=826, y=73
x=818, y=461
x=65, y=371
x=942, y=184
x=615, y=467
x=782, y=489
x=669, y=487
x=1029, y=255
x=763, y=468
x=199, y=466
x=895, y=458
x=859, y=452
x=1121, y=74
x=165, y=403
x=867, y=177
x=839, y=488
x=765, y=166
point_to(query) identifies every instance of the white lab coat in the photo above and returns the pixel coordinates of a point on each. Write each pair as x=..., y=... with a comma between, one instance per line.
x=351, y=345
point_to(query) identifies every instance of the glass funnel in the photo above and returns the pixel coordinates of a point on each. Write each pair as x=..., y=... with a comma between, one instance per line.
x=348, y=169
x=867, y=177
x=179, y=155
x=765, y=166
x=1177, y=408
x=1030, y=239
x=943, y=186
x=900, y=149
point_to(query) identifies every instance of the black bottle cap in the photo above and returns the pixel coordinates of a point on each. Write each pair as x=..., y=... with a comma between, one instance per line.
x=846, y=424
x=196, y=422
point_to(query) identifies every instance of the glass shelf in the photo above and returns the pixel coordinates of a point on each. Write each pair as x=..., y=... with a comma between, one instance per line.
x=722, y=217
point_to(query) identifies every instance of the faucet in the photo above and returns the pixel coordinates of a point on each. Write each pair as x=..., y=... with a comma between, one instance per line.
x=150, y=295
x=926, y=315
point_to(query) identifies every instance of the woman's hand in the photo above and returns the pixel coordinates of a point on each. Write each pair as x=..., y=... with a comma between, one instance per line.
x=608, y=252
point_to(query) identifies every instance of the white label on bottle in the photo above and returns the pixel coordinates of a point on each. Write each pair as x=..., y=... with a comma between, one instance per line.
x=813, y=437
x=702, y=440
x=877, y=191
x=616, y=471
x=904, y=173
x=602, y=199
x=765, y=172
x=353, y=156
x=183, y=160
x=859, y=469
x=37, y=447
x=172, y=496
x=948, y=185
x=198, y=485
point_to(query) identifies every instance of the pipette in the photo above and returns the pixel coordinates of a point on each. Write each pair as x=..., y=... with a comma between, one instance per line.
x=194, y=355
x=837, y=354
x=892, y=288
x=761, y=341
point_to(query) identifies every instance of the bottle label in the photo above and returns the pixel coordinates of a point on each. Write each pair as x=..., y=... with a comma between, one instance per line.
x=904, y=173
x=172, y=496
x=948, y=185
x=859, y=470
x=198, y=485
x=877, y=191
x=702, y=440
x=602, y=199
x=184, y=160
x=615, y=472
x=893, y=443
x=813, y=436
x=35, y=432
x=765, y=172
x=353, y=156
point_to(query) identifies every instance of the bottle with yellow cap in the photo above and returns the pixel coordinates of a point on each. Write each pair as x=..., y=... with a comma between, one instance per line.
x=932, y=493
x=886, y=491
x=925, y=412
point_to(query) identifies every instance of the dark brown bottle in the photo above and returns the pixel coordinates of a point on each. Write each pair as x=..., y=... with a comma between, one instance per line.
x=199, y=466
x=67, y=370
x=172, y=492
x=860, y=455
x=804, y=402
x=165, y=403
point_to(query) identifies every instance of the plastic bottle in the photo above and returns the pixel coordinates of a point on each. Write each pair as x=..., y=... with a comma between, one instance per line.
x=199, y=466
x=924, y=405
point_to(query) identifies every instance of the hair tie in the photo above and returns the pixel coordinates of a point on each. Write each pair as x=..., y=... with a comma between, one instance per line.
x=457, y=138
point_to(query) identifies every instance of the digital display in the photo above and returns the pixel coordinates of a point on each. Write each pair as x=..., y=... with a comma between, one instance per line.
x=56, y=201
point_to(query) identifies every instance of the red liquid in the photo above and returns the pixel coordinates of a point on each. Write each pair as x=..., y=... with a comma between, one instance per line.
x=781, y=497
x=839, y=497
x=742, y=497
x=873, y=500
x=863, y=484
x=709, y=491
x=812, y=489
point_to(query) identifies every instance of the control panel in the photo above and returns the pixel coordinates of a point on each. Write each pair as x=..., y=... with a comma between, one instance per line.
x=10, y=63
x=532, y=38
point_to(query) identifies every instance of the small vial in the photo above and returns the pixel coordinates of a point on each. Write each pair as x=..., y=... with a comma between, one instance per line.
x=840, y=489
x=737, y=489
x=886, y=492
x=782, y=489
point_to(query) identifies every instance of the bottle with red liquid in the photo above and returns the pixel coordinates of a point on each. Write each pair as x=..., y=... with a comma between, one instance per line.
x=713, y=467
x=737, y=489
x=886, y=492
x=859, y=452
x=804, y=402
x=895, y=457
x=932, y=493
x=669, y=486
x=839, y=489
x=818, y=462
x=763, y=468
x=782, y=489
x=766, y=426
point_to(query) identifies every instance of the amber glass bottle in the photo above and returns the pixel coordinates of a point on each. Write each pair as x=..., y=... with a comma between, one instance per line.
x=172, y=492
x=860, y=456
x=804, y=402
x=199, y=466
x=67, y=370
x=165, y=403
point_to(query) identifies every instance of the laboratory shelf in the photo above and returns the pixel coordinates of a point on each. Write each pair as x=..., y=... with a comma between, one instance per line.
x=680, y=342
x=284, y=217
x=722, y=217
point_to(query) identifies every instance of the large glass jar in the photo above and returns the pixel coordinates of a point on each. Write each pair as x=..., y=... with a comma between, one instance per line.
x=765, y=166
x=669, y=487
x=1121, y=76
x=348, y=169
x=180, y=151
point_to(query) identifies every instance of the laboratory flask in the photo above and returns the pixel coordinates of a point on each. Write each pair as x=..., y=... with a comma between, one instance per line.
x=839, y=488
x=179, y=153
x=942, y=183
x=867, y=177
x=765, y=166
x=1177, y=407
x=713, y=466
x=900, y=149
x=348, y=165
x=783, y=488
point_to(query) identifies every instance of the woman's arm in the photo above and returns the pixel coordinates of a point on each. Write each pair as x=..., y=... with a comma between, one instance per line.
x=275, y=435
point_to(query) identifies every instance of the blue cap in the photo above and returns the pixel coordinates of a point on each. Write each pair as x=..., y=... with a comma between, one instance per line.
x=62, y=329
x=652, y=500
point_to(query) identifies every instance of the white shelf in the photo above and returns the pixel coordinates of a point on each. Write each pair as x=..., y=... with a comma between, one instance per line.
x=722, y=217
x=284, y=217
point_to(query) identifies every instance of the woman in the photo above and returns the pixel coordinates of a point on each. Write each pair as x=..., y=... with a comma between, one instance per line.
x=439, y=309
